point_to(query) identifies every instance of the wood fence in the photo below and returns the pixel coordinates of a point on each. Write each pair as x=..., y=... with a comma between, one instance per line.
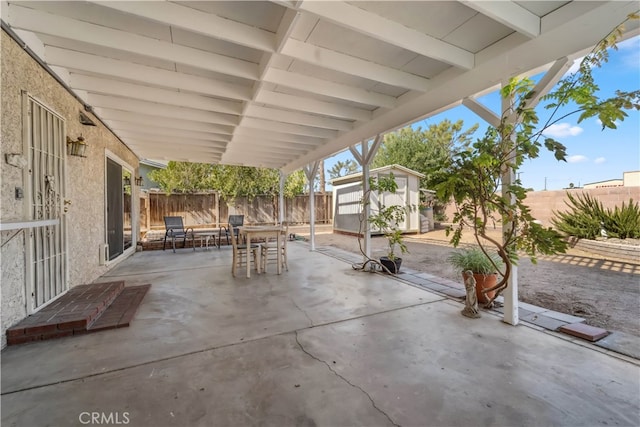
x=203, y=210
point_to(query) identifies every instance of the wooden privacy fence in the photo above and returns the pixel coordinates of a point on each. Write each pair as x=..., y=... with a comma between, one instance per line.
x=204, y=210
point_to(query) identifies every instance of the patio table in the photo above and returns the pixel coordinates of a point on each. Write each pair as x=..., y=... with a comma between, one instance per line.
x=262, y=231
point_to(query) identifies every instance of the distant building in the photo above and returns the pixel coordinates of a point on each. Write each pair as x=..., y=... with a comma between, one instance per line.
x=147, y=166
x=629, y=179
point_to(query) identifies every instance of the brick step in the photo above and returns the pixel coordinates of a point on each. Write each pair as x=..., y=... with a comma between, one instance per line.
x=120, y=313
x=75, y=312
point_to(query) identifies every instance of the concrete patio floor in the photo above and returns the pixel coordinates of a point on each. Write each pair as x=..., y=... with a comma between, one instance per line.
x=319, y=345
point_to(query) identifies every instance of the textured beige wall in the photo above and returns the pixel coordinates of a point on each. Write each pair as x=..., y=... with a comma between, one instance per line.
x=85, y=177
x=544, y=203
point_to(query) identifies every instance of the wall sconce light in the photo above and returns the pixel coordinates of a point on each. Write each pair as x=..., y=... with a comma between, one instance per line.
x=127, y=180
x=139, y=181
x=77, y=147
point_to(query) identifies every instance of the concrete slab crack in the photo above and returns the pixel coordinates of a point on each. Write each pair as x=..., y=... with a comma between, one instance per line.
x=303, y=312
x=373, y=403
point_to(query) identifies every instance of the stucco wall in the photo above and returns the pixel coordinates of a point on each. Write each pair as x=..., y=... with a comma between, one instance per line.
x=85, y=178
x=544, y=203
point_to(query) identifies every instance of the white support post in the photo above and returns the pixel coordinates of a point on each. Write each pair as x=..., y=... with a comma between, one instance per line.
x=367, y=203
x=364, y=158
x=310, y=171
x=281, y=198
x=510, y=294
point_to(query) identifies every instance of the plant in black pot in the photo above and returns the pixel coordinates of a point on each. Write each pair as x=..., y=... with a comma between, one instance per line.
x=483, y=266
x=386, y=219
x=392, y=262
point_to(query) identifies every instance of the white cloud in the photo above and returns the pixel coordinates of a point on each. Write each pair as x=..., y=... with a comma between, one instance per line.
x=577, y=158
x=562, y=129
x=599, y=160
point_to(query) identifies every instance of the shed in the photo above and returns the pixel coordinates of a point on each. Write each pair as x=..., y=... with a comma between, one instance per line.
x=347, y=193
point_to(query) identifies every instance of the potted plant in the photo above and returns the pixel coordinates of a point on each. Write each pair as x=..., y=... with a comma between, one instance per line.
x=385, y=219
x=480, y=177
x=483, y=266
x=393, y=262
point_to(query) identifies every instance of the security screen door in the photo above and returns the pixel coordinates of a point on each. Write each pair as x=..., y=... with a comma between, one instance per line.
x=46, y=255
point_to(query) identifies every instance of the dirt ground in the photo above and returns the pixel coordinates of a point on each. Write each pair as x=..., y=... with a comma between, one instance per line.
x=604, y=292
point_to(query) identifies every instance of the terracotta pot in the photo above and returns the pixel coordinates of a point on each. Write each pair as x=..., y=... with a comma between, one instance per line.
x=484, y=281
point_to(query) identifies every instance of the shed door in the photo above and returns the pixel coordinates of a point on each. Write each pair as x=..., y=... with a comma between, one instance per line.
x=46, y=254
x=398, y=198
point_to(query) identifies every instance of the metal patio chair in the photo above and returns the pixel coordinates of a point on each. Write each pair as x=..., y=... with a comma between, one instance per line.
x=175, y=230
x=235, y=221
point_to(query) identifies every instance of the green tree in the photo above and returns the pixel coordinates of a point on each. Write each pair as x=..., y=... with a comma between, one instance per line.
x=423, y=150
x=341, y=168
x=183, y=177
x=229, y=181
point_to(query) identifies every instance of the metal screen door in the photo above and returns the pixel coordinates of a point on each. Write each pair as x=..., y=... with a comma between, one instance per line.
x=46, y=254
x=115, y=228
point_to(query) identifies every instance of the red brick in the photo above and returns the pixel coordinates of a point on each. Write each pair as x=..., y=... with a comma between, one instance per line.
x=15, y=332
x=44, y=329
x=72, y=324
x=580, y=330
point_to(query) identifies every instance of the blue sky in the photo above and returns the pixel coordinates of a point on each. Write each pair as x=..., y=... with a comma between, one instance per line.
x=592, y=154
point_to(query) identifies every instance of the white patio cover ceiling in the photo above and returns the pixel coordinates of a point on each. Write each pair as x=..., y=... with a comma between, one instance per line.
x=281, y=84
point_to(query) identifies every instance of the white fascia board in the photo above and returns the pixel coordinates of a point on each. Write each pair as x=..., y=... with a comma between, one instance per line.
x=178, y=149
x=144, y=74
x=241, y=160
x=144, y=136
x=295, y=117
x=145, y=119
x=262, y=139
x=249, y=146
x=190, y=19
x=508, y=13
x=294, y=102
x=278, y=136
x=155, y=109
x=68, y=28
x=251, y=122
x=326, y=88
x=120, y=126
x=380, y=28
x=176, y=146
x=268, y=145
x=351, y=65
x=146, y=93
x=260, y=160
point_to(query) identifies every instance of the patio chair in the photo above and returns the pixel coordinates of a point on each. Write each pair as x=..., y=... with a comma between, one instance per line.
x=175, y=230
x=269, y=250
x=241, y=252
x=235, y=221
